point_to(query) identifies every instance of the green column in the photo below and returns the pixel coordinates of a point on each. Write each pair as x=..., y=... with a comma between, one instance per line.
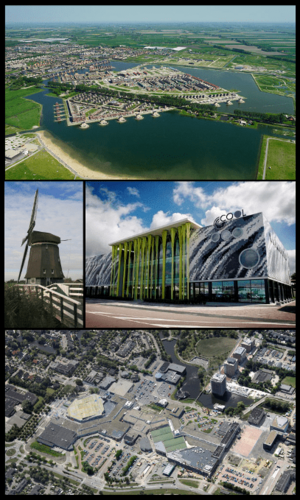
x=144, y=247
x=113, y=270
x=173, y=233
x=152, y=263
x=129, y=269
x=188, y=233
x=150, y=238
x=156, y=262
x=137, y=267
x=180, y=260
x=119, y=267
x=164, y=243
x=183, y=260
x=124, y=269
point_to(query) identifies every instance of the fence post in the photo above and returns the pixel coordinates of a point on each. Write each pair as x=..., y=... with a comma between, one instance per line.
x=61, y=308
x=75, y=315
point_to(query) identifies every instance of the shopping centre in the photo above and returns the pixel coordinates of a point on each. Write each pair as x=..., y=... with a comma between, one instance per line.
x=238, y=258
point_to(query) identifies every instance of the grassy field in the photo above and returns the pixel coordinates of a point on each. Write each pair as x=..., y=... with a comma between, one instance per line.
x=45, y=449
x=40, y=166
x=188, y=482
x=275, y=85
x=290, y=381
x=281, y=159
x=19, y=112
x=216, y=346
x=10, y=453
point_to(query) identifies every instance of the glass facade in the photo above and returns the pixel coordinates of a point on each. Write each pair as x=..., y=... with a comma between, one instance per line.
x=152, y=266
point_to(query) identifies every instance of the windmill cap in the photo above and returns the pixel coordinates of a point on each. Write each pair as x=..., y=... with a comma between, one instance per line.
x=41, y=237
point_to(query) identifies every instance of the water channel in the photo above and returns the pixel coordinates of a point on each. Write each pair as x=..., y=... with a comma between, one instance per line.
x=173, y=146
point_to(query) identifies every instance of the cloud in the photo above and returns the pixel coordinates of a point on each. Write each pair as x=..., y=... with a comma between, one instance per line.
x=107, y=222
x=133, y=191
x=163, y=219
x=275, y=199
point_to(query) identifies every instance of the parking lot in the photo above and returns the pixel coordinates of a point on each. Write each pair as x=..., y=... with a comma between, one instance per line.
x=247, y=480
x=96, y=450
x=143, y=391
x=117, y=469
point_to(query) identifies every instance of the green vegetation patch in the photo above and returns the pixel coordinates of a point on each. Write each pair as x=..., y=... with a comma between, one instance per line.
x=290, y=381
x=22, y=113
x=215, y=346
x=45, y=449
x=11, y=452
x=188, y=482
x=39, y=166
x=282, y=160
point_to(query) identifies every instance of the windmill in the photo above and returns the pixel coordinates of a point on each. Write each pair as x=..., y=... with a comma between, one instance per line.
x=44, y=265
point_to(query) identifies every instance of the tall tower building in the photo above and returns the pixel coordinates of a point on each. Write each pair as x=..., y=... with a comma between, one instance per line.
x=218, y=384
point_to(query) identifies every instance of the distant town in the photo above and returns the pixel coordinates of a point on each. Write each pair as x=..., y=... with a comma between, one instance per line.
x=202, y=411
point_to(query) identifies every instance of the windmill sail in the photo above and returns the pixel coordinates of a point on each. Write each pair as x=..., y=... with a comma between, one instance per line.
x=29, y=231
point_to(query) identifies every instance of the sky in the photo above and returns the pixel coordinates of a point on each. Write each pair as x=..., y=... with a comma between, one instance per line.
x=121, y=209
x=60, y=212
x=148, y=13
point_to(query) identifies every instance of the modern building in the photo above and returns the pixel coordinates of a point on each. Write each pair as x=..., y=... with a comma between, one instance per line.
x=248, y=344
x=56, y=435
x=230, y=366
x=218, y=384
x=280, y=424
x=86, y=408
x=256, y=416
x=269, y=442
x=239, y=354
x=239, y=258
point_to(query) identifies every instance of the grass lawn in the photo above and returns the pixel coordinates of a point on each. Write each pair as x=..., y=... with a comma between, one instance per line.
x=290, y=381
x=19, y=112
x=163, y=491
x=188, y=482
x=11, y=452
x=45, y=449
x=40, y=166
x=215, y=346
x=281, y=159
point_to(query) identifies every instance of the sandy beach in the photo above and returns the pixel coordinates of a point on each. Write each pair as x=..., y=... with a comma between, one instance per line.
x=74, y=165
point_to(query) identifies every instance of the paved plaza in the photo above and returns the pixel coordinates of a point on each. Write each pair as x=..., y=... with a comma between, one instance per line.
x=114, y=314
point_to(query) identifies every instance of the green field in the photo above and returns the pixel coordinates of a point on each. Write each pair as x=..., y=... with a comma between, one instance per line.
x=290, y=381
x=188, y=482
x=45, y=449
x=40, y=166
x=19, y=112
x=275, y=85
x=281, y=159
x=215, y=346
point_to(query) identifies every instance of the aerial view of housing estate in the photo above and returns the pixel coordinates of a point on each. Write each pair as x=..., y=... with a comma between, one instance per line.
x=150, y=268
x=150, y=411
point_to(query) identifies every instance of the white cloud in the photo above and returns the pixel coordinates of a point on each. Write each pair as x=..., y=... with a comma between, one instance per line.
x=107, y=222
x=162, y=219
x=133, y=191
x=275, y=199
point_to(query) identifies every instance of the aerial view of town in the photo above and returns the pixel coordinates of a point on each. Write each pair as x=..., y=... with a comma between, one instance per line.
x=196, y=100
x=150, y=412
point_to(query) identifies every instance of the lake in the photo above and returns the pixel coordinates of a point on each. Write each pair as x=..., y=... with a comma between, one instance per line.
x=172, y=146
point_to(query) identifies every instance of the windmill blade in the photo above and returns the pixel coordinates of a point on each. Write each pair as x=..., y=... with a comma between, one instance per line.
x=23, y=261
x=24, y=239
x=34, y=210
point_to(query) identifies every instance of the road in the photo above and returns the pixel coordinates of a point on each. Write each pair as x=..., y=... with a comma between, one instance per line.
x=114, y=314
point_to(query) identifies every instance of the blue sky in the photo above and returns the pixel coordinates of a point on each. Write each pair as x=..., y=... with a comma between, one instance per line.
x=148, y=13
x=120, y=209
x=60, y=212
